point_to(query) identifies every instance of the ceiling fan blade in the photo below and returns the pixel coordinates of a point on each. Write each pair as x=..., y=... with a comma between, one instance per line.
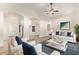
x=49, y=12
x=53, y=13
x=51, y=9
x=56, y=11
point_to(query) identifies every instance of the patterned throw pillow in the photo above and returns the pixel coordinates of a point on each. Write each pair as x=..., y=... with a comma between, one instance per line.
x=57, y=32
x=69, y=34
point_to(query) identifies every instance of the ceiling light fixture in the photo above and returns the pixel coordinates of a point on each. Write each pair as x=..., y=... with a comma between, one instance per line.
x=51, y=9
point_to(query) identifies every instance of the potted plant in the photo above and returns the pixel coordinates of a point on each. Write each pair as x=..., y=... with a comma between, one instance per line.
x=76, y=27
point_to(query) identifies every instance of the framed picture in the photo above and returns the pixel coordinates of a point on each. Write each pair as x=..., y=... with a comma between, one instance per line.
x=64, y=25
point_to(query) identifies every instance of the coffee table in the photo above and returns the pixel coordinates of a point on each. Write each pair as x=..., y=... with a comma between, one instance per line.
x=59, y=46
x=50, y=50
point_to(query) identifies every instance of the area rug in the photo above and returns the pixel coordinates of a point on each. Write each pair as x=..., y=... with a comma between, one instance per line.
x=72, y=49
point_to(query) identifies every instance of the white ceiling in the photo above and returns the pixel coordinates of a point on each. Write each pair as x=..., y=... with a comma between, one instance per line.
x=39, y=8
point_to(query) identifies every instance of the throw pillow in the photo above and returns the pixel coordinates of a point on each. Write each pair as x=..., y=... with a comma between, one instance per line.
x=28, y=49
x=18, y=39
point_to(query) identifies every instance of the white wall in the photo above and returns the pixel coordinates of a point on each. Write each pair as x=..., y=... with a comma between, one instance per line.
x=75, y=16
x=12, y=20
x=27, y=30
x=8, y=25
x=43, y=28
x=1, y=26
x=56, y=23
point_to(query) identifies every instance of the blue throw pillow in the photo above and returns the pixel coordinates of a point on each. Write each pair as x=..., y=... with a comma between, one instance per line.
x=57, y=32
x=18, y=40
x=28, y=49
x=69, y=34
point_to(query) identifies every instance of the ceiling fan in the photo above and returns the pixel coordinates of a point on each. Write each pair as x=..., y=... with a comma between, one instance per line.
x=51, y=9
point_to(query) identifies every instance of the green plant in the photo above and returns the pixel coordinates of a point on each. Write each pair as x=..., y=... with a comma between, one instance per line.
x=76, y=27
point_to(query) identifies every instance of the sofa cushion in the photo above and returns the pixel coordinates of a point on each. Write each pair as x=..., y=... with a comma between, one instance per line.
x=57, y=32
x=69, y=34
x=19, y=41
x=28, y=49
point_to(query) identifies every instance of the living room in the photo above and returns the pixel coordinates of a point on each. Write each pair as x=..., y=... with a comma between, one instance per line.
x=48, y=27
